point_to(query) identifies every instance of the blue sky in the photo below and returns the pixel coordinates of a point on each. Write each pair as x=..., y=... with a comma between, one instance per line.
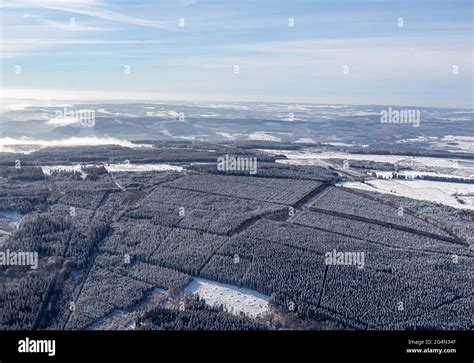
x=79, y=49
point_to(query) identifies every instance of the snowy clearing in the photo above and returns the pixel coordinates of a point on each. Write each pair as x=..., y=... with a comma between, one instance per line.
x=262, y=136
x=298, y=156
x=235, y=299
x=448, y=142
x=114, y=168
x=305, y=140
x=411, y=174
x=432, y=191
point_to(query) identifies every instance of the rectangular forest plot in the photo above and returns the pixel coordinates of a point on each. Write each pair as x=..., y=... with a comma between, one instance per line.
x=276, y=170
x=227, y=269
x=300, y=236
x=101, y=185
x=82, y=198
x=160, y=277
x=235, y=299
x=282, y=191
x=199, y=210
x=102, y=293
x=292, y=275
x=78, y=216
x=197, y=316
x=113, y=204
x=342, y=200
x=142, y=180
x=377, y=300
x=375, y=233
x=457, y=223
x=452, y=272
x=455, y=315
x=187, y=250
x=137, y=239
x=21, y=301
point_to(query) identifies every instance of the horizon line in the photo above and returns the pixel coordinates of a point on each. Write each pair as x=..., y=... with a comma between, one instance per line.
x=143, y=97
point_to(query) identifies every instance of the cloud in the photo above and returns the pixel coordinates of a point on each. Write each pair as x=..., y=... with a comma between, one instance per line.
x=88, y=8
x=32, y=3
x=28, y=145
x=63, y=121
x=68, y=26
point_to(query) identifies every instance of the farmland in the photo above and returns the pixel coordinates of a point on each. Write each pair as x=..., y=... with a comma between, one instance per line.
x=186, y=246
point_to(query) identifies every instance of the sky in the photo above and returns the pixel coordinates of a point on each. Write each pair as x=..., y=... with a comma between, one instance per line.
x=387, y=52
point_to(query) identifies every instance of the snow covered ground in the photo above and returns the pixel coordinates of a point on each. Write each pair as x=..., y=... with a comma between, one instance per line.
x=457, y=195
x=114, y=168
x=226, y=135
x=235, y=299
x=449, y=142
x=77, y=167
x=9, y=221
x=432, y=191
x=305, y=140
x=461, y=168
x=302, y=157
x=263, y=136
x=415, y=173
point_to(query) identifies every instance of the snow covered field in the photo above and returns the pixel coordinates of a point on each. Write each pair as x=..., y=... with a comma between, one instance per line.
x=411, y=174
x=304, y=158
x=449, y=142
x=457, y=195
x=114, y=168
x=263, y=136
x=432, y=191
x=235, y=299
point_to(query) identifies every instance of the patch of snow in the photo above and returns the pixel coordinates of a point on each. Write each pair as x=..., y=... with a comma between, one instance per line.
x=363, y=113
x=185, y=137
x=305, y=140
x=231, y=107
x=226, y=135
x=432, y=191
x=393, y=159
x=411, y=174
x=449, y=142
x=113, y=168
x=263, y=136
x=165, y=131
x=63, y=121
x=166, y=114
x=338, y=144
x=234, y=299
x=104, y=111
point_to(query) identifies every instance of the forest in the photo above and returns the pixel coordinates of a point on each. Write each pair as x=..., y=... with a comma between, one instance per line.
x=129, y=243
